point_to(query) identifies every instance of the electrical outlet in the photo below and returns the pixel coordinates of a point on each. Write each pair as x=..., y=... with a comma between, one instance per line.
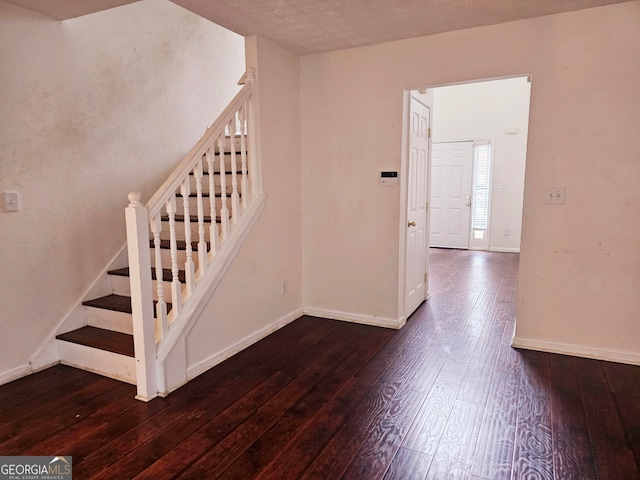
x=555, y=195
x=285, y=287
x=507, y=232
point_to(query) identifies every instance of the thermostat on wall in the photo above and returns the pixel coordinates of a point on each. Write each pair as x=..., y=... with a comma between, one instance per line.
x=388, y=178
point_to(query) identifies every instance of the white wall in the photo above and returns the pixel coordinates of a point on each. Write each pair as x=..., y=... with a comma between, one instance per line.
x=482, y=111
x=91, y=109
x=580, y=263
x=249, y=302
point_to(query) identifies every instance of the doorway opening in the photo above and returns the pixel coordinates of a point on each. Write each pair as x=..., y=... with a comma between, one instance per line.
x=479, y=140
x=475, y=171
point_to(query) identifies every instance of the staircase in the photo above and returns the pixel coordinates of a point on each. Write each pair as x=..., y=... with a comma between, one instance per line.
x=179, y=246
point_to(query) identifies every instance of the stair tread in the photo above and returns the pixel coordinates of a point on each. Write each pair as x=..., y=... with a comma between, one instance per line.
x=205, y=195
x=101, y=339
x=167, y=276
x=181, y=244
x=116, y=303
x=226, y=172
x=192, y=218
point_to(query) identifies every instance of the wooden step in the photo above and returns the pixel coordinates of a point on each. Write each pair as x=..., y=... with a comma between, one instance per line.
x=192, y=218
x=181, y=245
x=102, y=339
x=167, y=276
x=116, y=303
x=205, y=195
x=226, y=172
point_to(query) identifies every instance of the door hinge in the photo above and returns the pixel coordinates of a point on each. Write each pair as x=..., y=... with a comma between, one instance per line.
x=429, y=132
x=426, y=207
x=426, y=276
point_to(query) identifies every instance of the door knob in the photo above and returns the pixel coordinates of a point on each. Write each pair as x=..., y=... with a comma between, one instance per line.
x=412, y=224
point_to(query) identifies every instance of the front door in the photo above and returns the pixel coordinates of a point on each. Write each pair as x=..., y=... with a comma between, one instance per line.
x=417, y=193
x=451, y=174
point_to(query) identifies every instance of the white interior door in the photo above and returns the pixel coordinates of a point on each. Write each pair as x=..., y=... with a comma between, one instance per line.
x=451, y=175
x=417, y=193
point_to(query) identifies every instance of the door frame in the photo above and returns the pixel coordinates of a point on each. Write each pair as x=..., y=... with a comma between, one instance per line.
x=404, y=160
x=404, y=198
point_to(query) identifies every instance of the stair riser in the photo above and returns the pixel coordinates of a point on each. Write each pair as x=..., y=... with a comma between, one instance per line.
x=193, y=205
x=206, y=203
x=217, y=189
x=122, y=286
x=109, y=319
x=227, y=162
x=108, y=364
x=236, y=142
x=182, y=258
x=193, y=227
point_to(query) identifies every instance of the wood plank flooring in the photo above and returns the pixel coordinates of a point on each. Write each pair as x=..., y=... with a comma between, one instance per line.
x=445, y=397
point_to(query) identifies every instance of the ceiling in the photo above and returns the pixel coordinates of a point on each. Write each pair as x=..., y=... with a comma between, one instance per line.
x=65, y=9
x=313, y=26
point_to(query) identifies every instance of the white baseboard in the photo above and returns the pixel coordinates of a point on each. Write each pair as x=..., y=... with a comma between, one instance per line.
x=608, y=354
x=505, y=250
x=14, y=374
x=356, y=318
x=210, y=362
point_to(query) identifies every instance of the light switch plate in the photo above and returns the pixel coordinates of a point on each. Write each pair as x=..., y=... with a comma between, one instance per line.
x=11, y=201
x=555, y=195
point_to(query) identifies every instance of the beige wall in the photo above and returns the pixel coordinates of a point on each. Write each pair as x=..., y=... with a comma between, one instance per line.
x=98, y=109
x=249, y=302
x=91, y=109
x=580, y=263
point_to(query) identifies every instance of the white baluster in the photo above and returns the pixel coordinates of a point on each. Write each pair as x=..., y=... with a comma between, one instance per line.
x=189, y=266
x=243, y=154
x=202, y=242
x=235, y=198
x=176, y=290
x=213, y=229
x=224, y=210
x=161, y=306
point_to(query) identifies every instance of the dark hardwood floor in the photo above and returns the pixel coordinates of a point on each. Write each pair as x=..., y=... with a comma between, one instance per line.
x=445, y=397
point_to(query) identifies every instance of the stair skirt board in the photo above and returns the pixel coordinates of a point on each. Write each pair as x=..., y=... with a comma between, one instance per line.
x=15, y=374
x=108, y=364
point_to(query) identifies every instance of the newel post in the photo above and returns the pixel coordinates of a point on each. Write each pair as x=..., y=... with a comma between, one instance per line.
x=137, y=222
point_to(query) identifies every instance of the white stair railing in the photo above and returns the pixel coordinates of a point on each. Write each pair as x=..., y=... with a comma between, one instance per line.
x=166, y=231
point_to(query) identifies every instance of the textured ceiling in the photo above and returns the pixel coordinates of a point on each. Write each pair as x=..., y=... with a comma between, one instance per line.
x=65, y=9
x=311, y=26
